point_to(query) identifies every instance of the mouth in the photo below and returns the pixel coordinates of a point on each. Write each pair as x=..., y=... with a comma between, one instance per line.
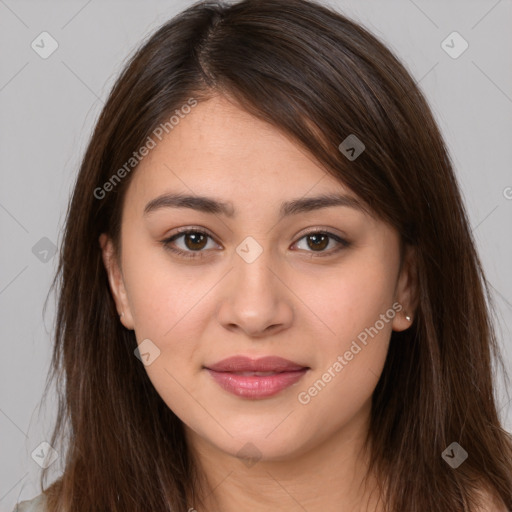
x=256, y=379
x=259, y=374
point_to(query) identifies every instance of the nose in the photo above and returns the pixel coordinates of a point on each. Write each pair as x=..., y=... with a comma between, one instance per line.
x=255, y=298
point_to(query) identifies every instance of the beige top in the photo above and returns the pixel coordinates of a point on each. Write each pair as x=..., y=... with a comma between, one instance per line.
x=34, y=505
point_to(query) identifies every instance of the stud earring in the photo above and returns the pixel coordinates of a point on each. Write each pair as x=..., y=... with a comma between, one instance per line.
x=408, y=318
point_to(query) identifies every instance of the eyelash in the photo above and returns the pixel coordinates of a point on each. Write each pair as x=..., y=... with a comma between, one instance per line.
x=200, y=253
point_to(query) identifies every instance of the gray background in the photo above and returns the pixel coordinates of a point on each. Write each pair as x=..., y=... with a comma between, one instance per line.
x=49, y=106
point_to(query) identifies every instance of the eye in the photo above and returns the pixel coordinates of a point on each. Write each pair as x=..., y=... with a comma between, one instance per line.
x=319, y=240
x=193, y=241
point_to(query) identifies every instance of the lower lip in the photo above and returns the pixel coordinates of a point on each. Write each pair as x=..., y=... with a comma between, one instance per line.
x=254, y=386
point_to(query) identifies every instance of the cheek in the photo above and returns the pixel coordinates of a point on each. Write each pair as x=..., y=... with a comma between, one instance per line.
x=167, y=309
x=161, y=294
x=353, y=346
x=171, y=305
x=348, y=299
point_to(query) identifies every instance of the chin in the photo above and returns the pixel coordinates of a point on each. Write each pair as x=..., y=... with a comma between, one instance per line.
x=258, y=446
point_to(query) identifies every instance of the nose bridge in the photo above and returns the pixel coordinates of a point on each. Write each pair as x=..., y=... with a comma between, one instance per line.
x=252, y=269
x=256, y=299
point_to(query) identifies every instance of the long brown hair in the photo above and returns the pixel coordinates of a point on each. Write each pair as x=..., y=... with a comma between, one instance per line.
x=319, y=77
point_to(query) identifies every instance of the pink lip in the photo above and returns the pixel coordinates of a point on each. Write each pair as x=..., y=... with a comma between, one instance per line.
x=227, y=373
x=263, y=364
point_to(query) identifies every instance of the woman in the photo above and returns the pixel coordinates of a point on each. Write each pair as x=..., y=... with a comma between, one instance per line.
x=269, y=293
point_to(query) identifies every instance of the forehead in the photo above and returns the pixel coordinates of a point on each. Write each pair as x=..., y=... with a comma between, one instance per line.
x=219, y=146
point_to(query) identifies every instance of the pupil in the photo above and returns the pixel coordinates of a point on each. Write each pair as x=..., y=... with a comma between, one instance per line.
x=318, y=244
x=194, y=237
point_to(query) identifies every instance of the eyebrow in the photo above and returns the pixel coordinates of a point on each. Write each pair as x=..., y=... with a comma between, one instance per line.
x=215, y=206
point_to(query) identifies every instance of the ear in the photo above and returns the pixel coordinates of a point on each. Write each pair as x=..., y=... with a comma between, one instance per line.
x=115, y=279
x=406, y=292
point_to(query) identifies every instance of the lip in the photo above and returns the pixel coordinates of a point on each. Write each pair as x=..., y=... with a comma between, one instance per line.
x=238, y=376
x=262, y=364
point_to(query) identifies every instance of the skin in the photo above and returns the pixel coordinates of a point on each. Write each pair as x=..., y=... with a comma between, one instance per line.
x=291, y=302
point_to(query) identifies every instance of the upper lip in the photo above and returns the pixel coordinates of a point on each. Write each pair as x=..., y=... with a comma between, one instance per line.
x=263, y=364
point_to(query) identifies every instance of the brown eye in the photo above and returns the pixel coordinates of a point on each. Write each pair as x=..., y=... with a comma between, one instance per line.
x=317, y=241
x=195, y=240
x=189, y=243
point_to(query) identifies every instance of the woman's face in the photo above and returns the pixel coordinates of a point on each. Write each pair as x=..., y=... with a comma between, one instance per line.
x=254, y=282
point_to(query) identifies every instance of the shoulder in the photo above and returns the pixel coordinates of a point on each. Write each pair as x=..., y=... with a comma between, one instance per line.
x=36, y=504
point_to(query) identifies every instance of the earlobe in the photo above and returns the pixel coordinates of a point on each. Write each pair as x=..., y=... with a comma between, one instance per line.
x=116, y=282
x=407, y=291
